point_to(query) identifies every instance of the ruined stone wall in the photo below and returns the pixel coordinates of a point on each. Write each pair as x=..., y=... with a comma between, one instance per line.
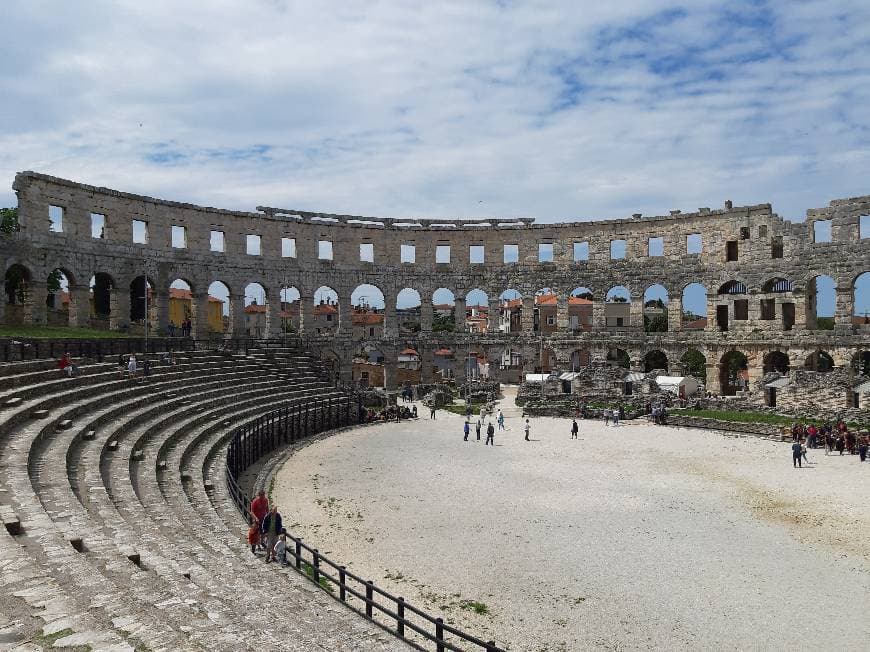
x=754, y=231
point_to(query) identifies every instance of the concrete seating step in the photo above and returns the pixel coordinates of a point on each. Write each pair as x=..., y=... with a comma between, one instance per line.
x=10, y=520
x=65, y=424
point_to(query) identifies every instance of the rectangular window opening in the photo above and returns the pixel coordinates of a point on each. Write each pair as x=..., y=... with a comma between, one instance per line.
x=545, y=252
x=776, y=246
x=475, y=254
x=367, y=252
x=617, y=249
x=744, y=233
x=581, y=251
x=408, y=253
x=179, y=237
x=511, y=253
x=55, y=219
x=694, y=243
x=252, y=244
x=217, y=241
x=768, y=309
x=442, y=254
x=656, y=247
x=324, y=249
x=864, y=227
x=98, y=226
x=731, y=251
x=741, y=309
x=140, y=232
x=822, y=231
x=288, y=247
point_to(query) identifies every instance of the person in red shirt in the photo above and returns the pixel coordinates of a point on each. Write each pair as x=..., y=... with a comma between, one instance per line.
x=259, y=508
x=66, y=364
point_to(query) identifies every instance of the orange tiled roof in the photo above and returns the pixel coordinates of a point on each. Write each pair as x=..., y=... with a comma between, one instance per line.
x=366, y=319
x=409, y=352
x=325, y=309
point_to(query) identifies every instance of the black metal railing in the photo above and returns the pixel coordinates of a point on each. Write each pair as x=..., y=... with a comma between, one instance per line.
x=286, y=426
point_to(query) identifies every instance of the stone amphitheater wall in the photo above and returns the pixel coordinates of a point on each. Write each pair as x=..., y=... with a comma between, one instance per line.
x=751, y=230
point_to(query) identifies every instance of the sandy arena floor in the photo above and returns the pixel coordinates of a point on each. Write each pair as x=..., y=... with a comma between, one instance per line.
x=630, y=538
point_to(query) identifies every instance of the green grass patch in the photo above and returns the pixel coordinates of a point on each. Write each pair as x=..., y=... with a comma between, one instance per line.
x=58, y=332
x=324, y=583
x=739, y=417
x=475, y=606
x=459, y=408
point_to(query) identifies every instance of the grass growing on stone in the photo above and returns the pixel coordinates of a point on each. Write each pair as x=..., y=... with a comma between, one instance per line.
x=324, y=583
x=47, y=641
x=58, y=332
x=475, y=606
x=738, y=417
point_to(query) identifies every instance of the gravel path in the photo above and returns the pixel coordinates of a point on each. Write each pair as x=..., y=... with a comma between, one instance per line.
x=631, y=537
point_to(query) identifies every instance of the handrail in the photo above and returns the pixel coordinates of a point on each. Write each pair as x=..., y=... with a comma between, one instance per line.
x=293, y=423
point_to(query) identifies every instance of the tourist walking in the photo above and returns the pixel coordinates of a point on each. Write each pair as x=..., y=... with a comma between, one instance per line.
x=466, y=429
x=171, y=328
x=281, y=548
x=615, y=417
x=259, y=509
x=477, y=428
x=490, y=434
x=271, y=528
x=796, y=454
x=574, y=429
x=841, y=444
x=606, y=417
x=500, y=419
x=862, y=448
x=804, y=451
x=527, y=428
x=432, y=410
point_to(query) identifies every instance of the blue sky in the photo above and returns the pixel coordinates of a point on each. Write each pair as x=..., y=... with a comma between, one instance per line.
x=555, y=110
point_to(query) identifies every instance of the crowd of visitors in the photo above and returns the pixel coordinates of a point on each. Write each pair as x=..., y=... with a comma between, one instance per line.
x=389, y=413
x=267, y=531
x=833, y=437
x=184, y=330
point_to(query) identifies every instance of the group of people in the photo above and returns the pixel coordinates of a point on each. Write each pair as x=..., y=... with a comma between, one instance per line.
x=834, y=437
x=390, y=413
x=186, y=328
x=267, y=532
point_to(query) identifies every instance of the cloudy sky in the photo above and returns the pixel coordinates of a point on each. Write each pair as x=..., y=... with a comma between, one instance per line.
x=555, y=110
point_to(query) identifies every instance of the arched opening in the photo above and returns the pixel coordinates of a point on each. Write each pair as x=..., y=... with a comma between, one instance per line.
x=332, y=363
x=101, y=285
x=860, y=363
x=545, y=318
x=325, y=315
x=580, y=358
x=511, y=366
x=694, y=312
x=443, y=311
x=694, y=364
x=548, y=363
x=476, y=365
x=819, y=361
x=580, y=310
x=861, y=300
x=733, y=373
x=655, y=309
x=367, y=312
x=476, y=311
x=142, y=302
x=774, y=303
x=731, y=306
x=256, y=311
x=289, y=310
x=369, y=368
x=219, y=308
x=182, y=309
x=511, y=317
x=58, y=300
x=618, y=358
x=655, y=360
x=408, y=305
x=776, y=362
x=18, y=302
x=821, y=302
x=617, y=308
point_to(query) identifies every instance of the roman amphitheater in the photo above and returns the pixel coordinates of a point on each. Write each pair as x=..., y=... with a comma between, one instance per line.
x=124, y=501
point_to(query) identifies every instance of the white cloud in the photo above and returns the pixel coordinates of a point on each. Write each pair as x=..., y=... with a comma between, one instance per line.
x=555, y=110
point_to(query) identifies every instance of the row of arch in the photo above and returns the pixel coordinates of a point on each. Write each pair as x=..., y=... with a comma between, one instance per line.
x=476, y=305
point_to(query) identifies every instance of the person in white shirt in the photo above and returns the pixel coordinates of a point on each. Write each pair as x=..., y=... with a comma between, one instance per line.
x=281, y=548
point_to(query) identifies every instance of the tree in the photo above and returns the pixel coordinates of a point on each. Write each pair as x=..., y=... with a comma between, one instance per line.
x=8, y=220
x=657, y=323
x=695, y=364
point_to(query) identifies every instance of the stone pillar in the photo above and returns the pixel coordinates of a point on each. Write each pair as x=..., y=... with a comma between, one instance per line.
x=35, y=310
x=599, y=316
x=562, y=323
x=161, y=310
x=119, y=309
x=712, y=384
x=494, y=316
x=527, y=318
x=675, y=313
x=391, y=321
x=800, y=313
x=274, y=324
x=635, y=311
x=425, y=364
x=80, y=306
x=237, y=315
x=845, y=307
x=345, y=324
x=306, y=315
x=199, y=307
x=459, y=313
x=426, y=313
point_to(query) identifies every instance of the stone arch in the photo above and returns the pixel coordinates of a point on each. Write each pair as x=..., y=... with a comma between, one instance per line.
x=655, y=359
x=220, y=318
x=476, y=364
x=142, y=301
x=19, y=301
x=861, y=299
x=59, y=302
x=102, y=287
x=511, y=365
x=731, y=304
x=476, y=311
x=617, y=307
x=326, y=313
x=821, y=302
x=369, y=368
x=860, y=363
x=655, y=309
x=409, y=304
x=290, y=312
x=776, y=362
x=580, y=358
x=332, y=363
x=732, y=287
x=367, y=305
x=511, y=311
x=546, y=307
x=548, y=360
x=733, y=372
x=443, y=311
x=257, y=313
x=581, y=303
x=694, y=364
x=694, y=307
x=820, y=361
x=618, y=358
x=776, y=285
x=182, y=307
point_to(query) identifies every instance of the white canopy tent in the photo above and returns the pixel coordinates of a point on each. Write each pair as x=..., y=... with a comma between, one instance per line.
x=680, y=385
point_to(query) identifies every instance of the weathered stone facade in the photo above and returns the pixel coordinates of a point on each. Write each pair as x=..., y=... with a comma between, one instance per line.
x=758, y=270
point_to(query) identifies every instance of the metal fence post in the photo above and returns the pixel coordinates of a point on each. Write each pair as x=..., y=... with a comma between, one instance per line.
x=400, y=621
x=439, y=634
x=342, y=593
x=316, y=566
x=369, y=593
x=299, y=553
